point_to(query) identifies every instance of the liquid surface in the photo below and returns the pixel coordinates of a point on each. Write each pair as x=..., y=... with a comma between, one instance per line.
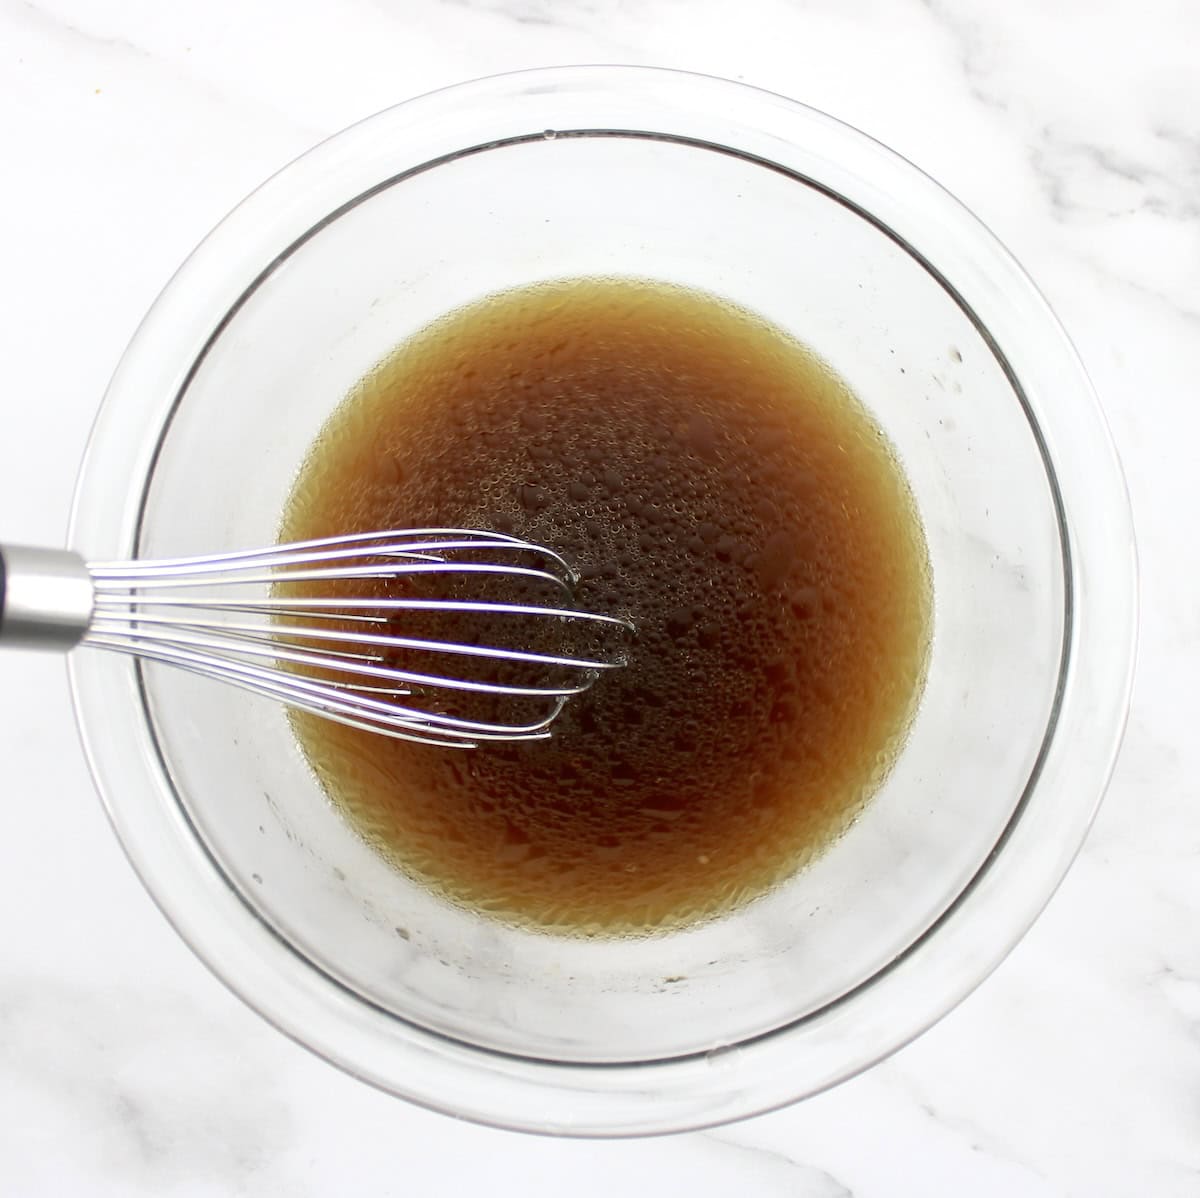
x=717, y=484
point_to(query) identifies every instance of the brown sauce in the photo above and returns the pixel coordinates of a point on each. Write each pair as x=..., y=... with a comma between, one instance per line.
x=716, y=483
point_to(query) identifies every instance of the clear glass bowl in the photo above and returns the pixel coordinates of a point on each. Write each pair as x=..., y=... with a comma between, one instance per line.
x=583, y=171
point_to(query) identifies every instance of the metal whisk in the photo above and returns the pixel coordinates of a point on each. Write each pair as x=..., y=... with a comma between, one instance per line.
x=316, y=648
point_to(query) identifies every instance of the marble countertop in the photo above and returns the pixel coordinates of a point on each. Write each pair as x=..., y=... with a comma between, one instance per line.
x=130, y=127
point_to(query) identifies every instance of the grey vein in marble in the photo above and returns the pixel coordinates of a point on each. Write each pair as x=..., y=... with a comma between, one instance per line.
x=800, y=1179
x=138, y=1085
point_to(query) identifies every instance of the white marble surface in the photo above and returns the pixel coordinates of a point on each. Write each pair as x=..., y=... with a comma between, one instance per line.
x=128, y=127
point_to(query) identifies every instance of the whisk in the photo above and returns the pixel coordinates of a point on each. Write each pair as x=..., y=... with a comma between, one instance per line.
x=225, y=616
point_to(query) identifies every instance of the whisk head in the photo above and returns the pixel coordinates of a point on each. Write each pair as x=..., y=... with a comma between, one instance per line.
x=329, y=626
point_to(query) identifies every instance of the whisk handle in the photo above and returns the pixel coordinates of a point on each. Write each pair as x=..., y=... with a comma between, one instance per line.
x=46, y=598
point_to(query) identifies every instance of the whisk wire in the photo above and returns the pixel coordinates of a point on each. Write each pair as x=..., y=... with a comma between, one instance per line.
x=271, y=633
x=356, y=711
x=338, y=656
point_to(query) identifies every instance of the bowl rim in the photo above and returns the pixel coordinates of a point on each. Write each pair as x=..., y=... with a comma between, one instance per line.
x=824, y=1047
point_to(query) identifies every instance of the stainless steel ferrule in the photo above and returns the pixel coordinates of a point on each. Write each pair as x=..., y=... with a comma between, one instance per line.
x=46, y=598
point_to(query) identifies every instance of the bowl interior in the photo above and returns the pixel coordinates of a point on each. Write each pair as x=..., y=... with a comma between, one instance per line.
x=602, y=203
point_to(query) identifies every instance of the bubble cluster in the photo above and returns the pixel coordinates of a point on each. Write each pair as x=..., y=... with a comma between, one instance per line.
x=713, y=481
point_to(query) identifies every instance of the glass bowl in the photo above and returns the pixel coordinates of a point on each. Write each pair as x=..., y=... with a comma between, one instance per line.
x=705, y=183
